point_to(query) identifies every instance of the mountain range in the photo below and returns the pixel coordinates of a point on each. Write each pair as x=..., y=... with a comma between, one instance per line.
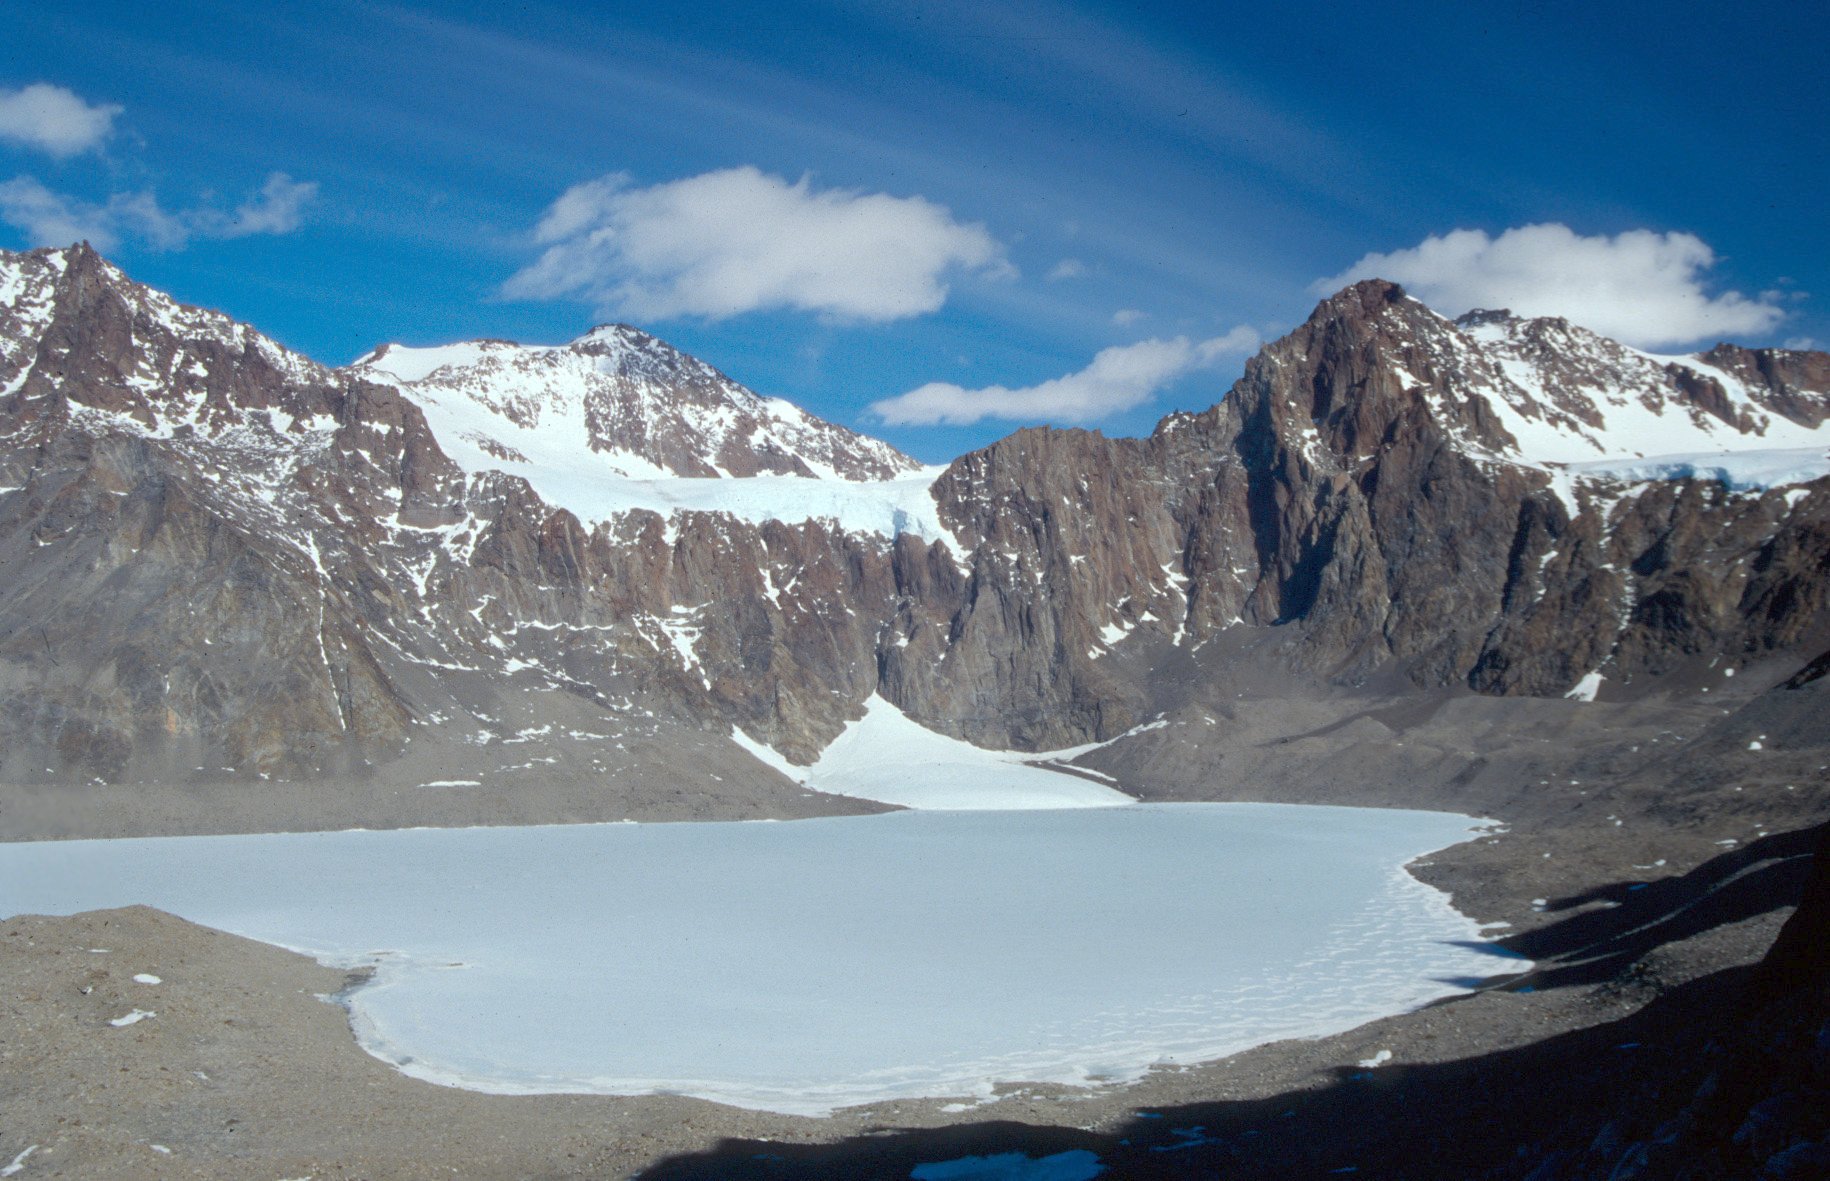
x=228, y=563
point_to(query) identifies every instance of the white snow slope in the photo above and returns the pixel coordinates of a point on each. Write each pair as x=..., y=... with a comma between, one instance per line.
x=888, y=757
x=551, y=415
x=1582, y=405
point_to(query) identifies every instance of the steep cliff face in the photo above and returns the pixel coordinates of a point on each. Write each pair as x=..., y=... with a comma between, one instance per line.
x=1460, y=503
x=226, y=561
x=172, y=471
x=1410, y=502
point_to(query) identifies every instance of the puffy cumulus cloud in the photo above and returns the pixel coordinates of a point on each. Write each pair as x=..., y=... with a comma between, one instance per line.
x=54, y=120
x=49, y=218
x=1119, y=378
x=1641, y=287
x=740, y=240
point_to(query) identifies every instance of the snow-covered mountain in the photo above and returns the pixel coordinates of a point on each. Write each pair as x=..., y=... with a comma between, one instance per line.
x=617, y=401
x=226, y=560
x=1584, y=407
x=1566, y=395
x=618, y=421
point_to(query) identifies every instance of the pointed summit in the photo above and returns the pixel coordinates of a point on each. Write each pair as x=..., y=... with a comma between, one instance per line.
x=618, y=402
x=612, y=334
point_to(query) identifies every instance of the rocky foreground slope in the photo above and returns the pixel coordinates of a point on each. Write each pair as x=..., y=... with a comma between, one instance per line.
x=228, y=563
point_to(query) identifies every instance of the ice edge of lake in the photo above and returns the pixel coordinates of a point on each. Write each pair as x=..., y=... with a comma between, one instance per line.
x=391, y=970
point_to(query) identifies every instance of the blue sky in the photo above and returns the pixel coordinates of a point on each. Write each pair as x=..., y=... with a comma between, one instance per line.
x=1059, y=212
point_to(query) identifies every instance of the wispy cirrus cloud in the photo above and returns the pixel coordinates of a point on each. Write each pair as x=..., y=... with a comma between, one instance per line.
x=740, y=240
x=50, y=218
x=1118, y=379
x=278, y=208
x=1642, y=287
x=54, y=120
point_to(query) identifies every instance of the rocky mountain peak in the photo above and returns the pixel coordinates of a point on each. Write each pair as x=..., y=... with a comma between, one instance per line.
x=618, y=402
x=621, y=350
x=625, y=340
x=78, y=337
x=1363, y=300
x=1373, y=365
x=1370, y=364
x=227, y=559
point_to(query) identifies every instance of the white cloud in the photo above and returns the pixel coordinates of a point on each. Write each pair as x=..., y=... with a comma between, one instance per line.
x=142, y=215
x=54, y=120
x=49, y=218
x=740, y=240
x=1119, y=378
x=277, y=209
x=1125, y=316
x=1802, y=344
x=1641, y=287
x=1067, y=268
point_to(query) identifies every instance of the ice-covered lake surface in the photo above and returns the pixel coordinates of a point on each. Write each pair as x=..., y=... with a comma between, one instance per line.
x=814, y=964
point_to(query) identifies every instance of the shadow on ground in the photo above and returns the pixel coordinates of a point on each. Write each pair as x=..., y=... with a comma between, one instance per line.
x=1631, y=918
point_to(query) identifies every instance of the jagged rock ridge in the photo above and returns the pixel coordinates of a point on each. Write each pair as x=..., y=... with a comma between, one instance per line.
x=229, y=561
x=618, y=401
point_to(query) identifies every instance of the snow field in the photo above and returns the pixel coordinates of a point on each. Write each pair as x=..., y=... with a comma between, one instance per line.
x=1738, y=471
x=888, y=757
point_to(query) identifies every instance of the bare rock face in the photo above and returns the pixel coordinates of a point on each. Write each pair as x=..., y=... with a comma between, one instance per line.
x=225, y=561
x=1375, y=485
x=162, y=615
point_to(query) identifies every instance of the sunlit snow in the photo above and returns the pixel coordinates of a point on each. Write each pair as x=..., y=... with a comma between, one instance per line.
x=886, y=756
x=1739, y=471
x=805, y=966
x=1584, y=407
x=527, y=411
x=1587, y=688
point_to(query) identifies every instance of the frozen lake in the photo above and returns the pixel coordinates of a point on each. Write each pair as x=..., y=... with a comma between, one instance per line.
x=804, y=966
